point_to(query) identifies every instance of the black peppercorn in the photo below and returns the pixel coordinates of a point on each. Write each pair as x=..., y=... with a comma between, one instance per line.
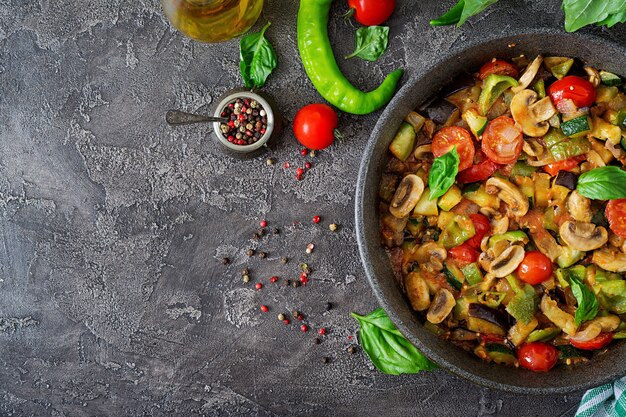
x=225, y=261
x=317, y=341
x=262, y=255
x=351, y=349
x=276, y=231
x=250, y=252
x=325, y=359
x=328, y=306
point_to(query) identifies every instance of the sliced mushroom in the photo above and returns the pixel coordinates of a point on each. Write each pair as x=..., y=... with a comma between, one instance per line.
x=430, y=256
x=422, y=151
x=504, y=264
x=442, y=305
x=583, y=236
x=499, y=222
x=610, y=259
x=594, y=76
x=417, y=291
x=407, y=195
x=534, y=148
x=529, y=75
x=557, y=316
x=579, y=207
x=544, y=241
x=511, y=195
x=530, y=114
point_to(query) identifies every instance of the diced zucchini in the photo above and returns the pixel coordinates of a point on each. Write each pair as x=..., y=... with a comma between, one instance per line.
x=425, y=206
x=483, y=326
x=454, y=276
x=549, y=220
x=451, y=198
x=416, y=120
x=610, y=79
x=540, y=88
x=543, y=335
x=520, y=331
x=559, y=66
x=481, y=197
x=604, y=130
x=605, y=94
x=569, y=257
x=461, y=309
x=457, y=231
x=475, y=121
x=402, y=144
x=500, y=354
x=542, y=189
x=561, y=147
x=511, y=236
x=576, y=127
x=520, y=168
x=616, y=117
x=472, y=273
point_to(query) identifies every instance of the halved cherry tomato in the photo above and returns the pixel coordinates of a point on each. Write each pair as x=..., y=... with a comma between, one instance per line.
x=451, y=136
x=372, y=12
x=579, y=90
x=478, y=172
x=597, y=342
x=482, y=228
x=502, y=140
x=535, y=268
x=498, y=66
x=564, y=165
x=616, y=215
x=464, y=254
x=537, y=356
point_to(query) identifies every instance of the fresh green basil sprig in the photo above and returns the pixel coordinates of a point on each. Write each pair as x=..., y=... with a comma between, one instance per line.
x=587, y=301
x=442, y=173
x=603, y=183
x=257, y=58
x=371, y=42
x=388, y=350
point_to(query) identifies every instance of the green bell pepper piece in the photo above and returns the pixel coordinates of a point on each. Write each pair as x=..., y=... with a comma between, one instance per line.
x=472, y=273
x=611, y=295
x=457, y=231
x=562, y=147
x=511, y=236
x=493, y=87
x=540, y=88
x=522, y=169
x=524, y=304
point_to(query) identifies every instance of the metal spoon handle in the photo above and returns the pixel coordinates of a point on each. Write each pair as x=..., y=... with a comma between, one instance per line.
x=177, y=117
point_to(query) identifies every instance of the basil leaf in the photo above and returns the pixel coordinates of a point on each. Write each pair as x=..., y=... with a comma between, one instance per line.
x=371, y=42
x=604, y=183
x=619, y=17
x=451, y=17
x=388, y=350
x=579, y=13
x=257, y=58
x=442, y=173
x=587, y=301
x=473, y=7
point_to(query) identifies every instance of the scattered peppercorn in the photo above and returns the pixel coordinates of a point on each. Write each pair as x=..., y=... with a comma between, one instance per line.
x=256, y=236
x=351, y=349
x=310, y=247
x=286, y=321
x=274, y=279
x=225, y=261
x=276, y=231
x=287, y=282
x=328, y=306
x=281, y=317
x=244, y=119
x=284, y=260
x=261, y=232
x=304, y=328
x=250, y=252
x=262, y=255
x=313, y=153
x=246, y=278
x=317, y=341
x=263, y=223
x=332, y=227
x=258, y=286
x=299, y=172
x=322, y=331
x=317, y=219
x=325, y=359
x=308, y=165
x=295, y=284
x=305, y=268
x=269, y=161
x=295, y=314
x=265, y=308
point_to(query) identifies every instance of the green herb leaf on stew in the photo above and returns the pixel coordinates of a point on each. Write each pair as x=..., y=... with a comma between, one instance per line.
x=442, y=173
x=371, y=42
x=388, y=350
x=587, y=301
x=579, y=13
x=604, y=183
x=257, y=58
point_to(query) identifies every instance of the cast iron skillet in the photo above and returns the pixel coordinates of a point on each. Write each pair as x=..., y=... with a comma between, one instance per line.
x=594, y=51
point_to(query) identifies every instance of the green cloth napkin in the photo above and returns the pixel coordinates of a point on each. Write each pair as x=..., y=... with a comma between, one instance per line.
x=609, y=400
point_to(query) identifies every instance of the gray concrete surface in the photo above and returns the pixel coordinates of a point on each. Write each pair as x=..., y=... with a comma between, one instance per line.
x=113, y=298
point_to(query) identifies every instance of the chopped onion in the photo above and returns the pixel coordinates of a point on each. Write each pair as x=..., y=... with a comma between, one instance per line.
x=591, y=331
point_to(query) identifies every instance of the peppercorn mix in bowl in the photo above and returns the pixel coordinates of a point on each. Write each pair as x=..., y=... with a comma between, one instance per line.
x=487, y=198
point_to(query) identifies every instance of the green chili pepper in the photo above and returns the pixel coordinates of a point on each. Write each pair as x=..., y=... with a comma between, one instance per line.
x=451, y=17
x=493, y=87
x=320, y=65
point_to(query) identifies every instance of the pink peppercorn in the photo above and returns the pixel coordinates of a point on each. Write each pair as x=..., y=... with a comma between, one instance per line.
x=274, y=279
x=299, y=172
x=263, y=223
x=304, y=152
x=322, y=331
x=304, y=328
x=286, y=321
x=286, y=165
x=264, y=308
x=308, y=165
x=258, y=285
x=317, y=219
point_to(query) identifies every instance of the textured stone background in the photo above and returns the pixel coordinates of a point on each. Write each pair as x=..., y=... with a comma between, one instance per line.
x=113, y=300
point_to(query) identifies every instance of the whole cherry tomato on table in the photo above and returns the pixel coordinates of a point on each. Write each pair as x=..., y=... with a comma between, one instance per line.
x=482, y=227
x=565, y=165
x=597, y=342
x=537, y=356
x=616, y=215
x=371, y=12
x=451, y=136
x=500, y=67
x=502, y=140
x=315, y=126
x=535, y=268
x=579, y=90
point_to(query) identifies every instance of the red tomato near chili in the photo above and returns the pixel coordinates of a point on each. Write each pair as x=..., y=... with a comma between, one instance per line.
x=502, y=140
x=597, y=342
x=372, y=12
x=478, y=172
x=565, y=165
x=579, y=90
x=500, y=67
x=451, y=136
x=314, y=126
x=464, y=254
x=535, y=268
x=616, y=215
x=482, y=227
x=537, y=356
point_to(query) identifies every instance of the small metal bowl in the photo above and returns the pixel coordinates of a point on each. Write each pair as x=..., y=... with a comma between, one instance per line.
x=257, y=147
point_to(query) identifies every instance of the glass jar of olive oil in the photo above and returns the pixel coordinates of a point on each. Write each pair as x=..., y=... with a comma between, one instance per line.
x=212, y=20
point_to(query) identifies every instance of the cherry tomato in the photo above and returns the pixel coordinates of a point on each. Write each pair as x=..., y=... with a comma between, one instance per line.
x=537, y=356
x=464, y=254
x=502, y=140
x=482, y=228
x=574, y=88
x=616, y=215
x=498, y=66
x=478, y=172
x=314, y=126
x=565, y=165
x=451, y=136
x=535, y=268
x=372, y=12
x=597, y=342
